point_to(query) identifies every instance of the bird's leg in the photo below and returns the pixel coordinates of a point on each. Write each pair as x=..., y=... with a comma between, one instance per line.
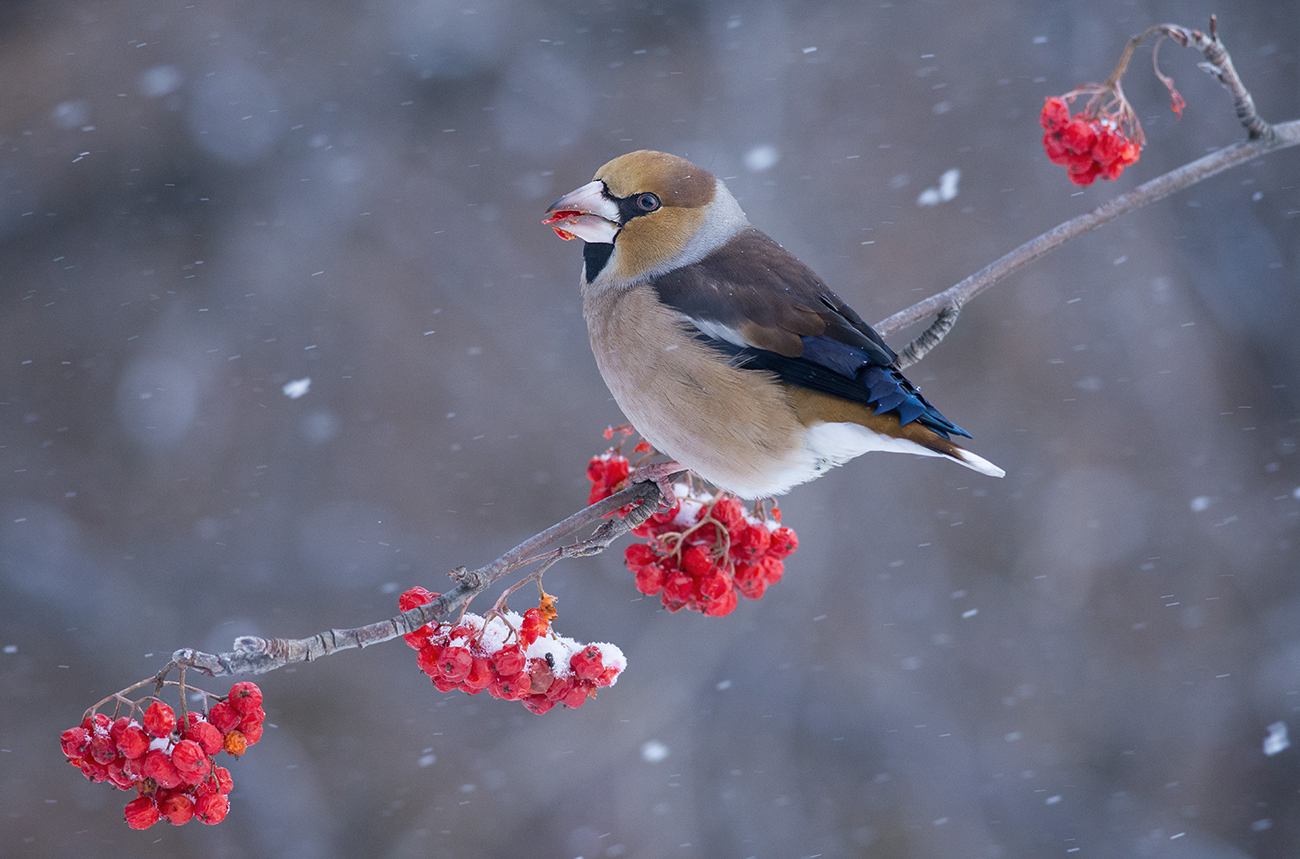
x=660, y=474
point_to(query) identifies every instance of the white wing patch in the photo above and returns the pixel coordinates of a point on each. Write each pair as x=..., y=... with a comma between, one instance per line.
x=718, y=331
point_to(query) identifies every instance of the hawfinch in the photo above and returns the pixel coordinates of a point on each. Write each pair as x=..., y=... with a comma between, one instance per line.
x=726, y=352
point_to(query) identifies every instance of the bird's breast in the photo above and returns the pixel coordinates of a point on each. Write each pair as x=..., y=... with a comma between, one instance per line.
x=733, y=427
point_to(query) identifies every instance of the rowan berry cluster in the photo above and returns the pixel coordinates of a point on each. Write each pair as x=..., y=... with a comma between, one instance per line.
x=170, y=763
x=1089, y=144
x=704, y=551
x=518, y=658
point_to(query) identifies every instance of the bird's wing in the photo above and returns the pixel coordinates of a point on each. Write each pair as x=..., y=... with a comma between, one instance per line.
x=754, y=300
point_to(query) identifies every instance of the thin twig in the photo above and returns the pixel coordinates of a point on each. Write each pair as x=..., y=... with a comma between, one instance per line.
x=1284, y=135
x=943, y=322
x=1263, y=139
x=254, y=655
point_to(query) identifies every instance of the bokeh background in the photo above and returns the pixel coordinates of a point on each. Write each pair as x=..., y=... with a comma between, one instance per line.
x=201, y=202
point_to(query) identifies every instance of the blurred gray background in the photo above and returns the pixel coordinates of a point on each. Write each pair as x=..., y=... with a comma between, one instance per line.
x=200, y=202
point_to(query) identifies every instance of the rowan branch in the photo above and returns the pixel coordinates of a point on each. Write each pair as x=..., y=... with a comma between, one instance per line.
x=254, y=655
x=1263, y=138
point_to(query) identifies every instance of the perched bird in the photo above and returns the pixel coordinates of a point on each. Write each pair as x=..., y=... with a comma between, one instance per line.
x=724, y=350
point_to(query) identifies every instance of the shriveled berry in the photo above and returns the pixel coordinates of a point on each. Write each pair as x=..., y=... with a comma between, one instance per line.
x=234, y=743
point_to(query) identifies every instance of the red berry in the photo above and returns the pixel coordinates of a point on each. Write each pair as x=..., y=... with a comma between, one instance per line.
x=479, y=676
x=415, y=596
x=586, y=663
x=427, y=658
x=722, y=606
x=454, y=664
x=252, y=731
x=679, y=589
x=638, y=555
x=75, y=742
x=191, y=761
x=102, y=747
x=560, y=687
x=211, y=808
x=576, y=696
x=512, y=688
x=92, y=769
x=204, y=733
x=133, y=742
x=650, y=579
x=177, y=808
x=218, y=782
x=714, y=586
x=119, y=725
x=509, y=661
x=784, y=542
x=419, y=638
x=141, y=813
x=117, y=774
x=245, y=697
x=159, y=767
x=223, y=717
x=159, y=720
x=538, y=704
x=1055, y=113
x=730, y=512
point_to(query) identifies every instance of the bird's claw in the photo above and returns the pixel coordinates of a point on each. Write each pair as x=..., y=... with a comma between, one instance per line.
x=660, y=474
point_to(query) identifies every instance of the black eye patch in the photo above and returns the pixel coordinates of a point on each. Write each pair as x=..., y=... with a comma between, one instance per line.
x=636, y=205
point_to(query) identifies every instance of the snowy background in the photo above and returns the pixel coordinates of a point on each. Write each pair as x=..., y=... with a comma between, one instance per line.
x=201, y=202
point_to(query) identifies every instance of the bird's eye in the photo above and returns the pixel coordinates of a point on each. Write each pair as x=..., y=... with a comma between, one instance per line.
x=647, y=202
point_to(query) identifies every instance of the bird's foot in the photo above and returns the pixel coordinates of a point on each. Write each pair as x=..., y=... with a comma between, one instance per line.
x=660, y=474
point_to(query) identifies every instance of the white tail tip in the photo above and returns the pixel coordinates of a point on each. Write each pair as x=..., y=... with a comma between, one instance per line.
x=978, y=463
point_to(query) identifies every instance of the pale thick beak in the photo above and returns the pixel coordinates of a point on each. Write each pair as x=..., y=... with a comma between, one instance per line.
x=585, y=213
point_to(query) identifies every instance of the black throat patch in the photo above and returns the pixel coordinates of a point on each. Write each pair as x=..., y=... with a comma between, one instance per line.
x=594, y=257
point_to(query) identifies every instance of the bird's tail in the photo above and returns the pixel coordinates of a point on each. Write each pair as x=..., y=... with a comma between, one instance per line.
x=937, y=444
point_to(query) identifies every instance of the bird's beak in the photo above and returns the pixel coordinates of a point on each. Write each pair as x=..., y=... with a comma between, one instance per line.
x=586, y=213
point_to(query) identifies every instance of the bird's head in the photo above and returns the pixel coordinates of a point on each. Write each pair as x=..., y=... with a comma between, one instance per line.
x=646, y=213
